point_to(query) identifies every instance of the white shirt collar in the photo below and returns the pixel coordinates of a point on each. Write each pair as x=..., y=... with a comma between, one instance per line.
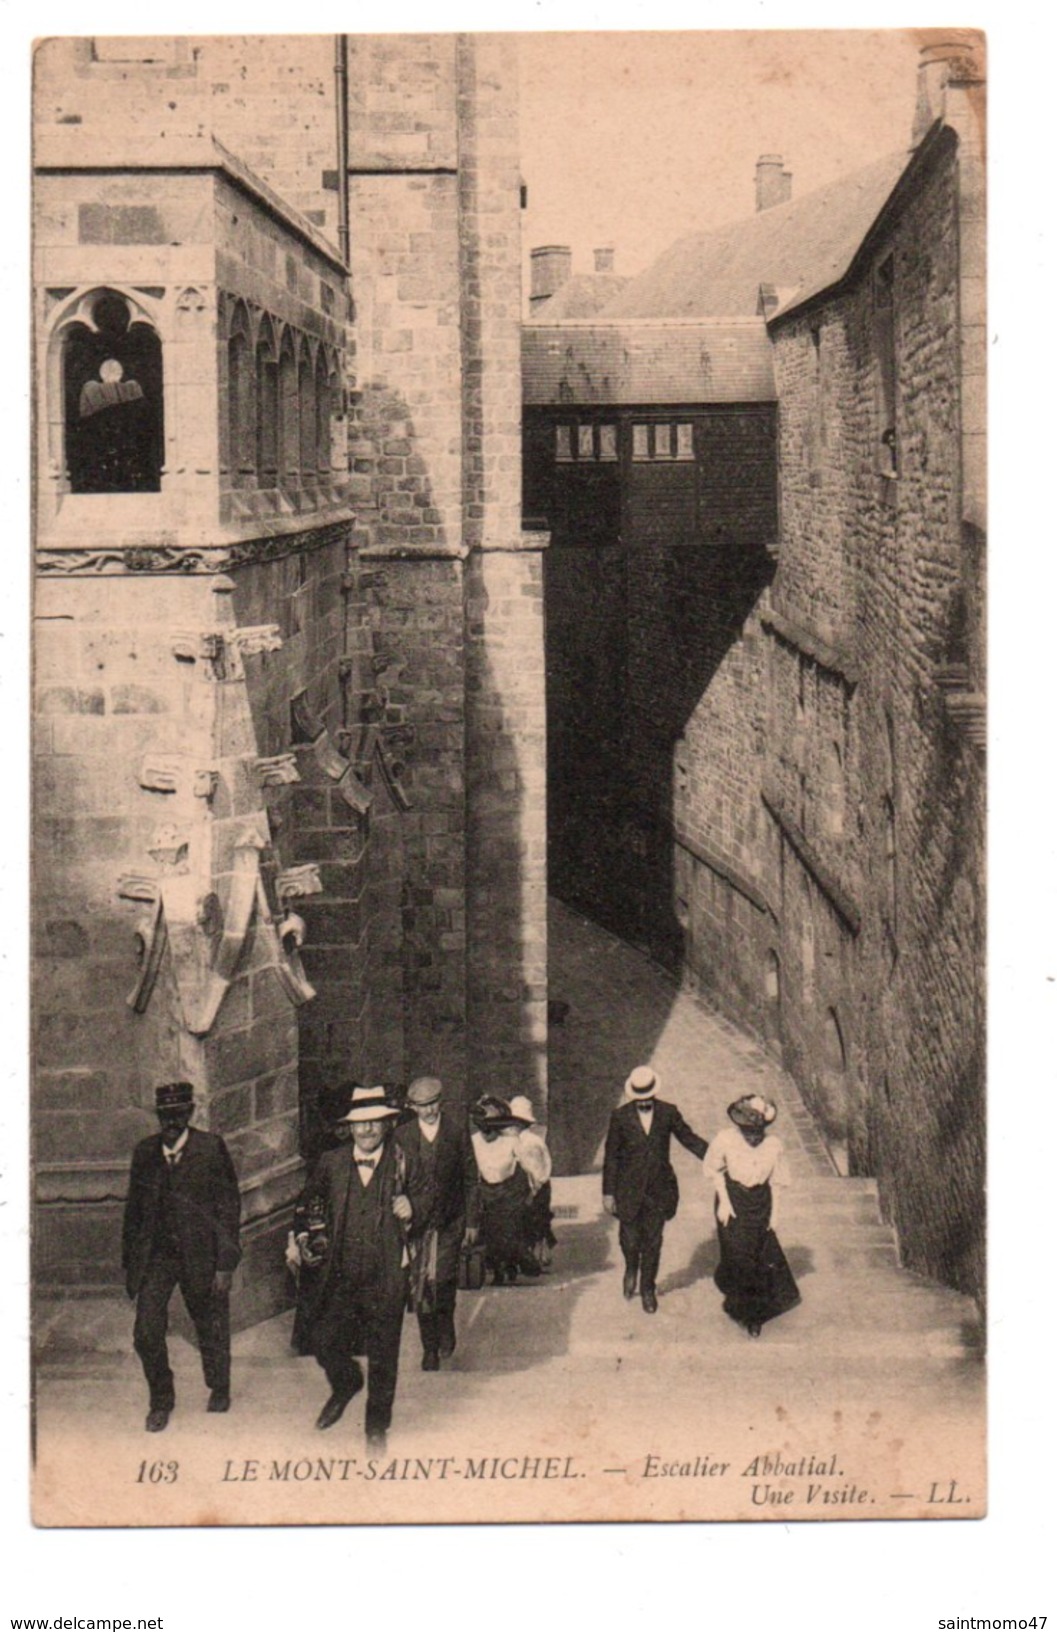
x=171, y=1151
x=429, y=1130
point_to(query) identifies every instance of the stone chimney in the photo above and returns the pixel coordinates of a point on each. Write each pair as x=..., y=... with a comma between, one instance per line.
x=604, y=258
x=774, y=185
x=552, y=265
x=950, y=66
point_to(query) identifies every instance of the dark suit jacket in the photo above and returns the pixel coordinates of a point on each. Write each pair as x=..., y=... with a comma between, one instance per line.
x=206, y=1203
x=328, y=1189
x=453, y=1192
x=637, y=1170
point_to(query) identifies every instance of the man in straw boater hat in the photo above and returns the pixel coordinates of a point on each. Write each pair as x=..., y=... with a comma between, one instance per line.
x=438, y=1138
x=638, y=1181
x=370, y=1197
x=181, y=1228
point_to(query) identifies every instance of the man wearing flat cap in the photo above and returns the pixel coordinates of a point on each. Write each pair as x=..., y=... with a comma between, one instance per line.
x=363, y=1201
x=181, y=1228
x=438, y=1139
x=639, y=1185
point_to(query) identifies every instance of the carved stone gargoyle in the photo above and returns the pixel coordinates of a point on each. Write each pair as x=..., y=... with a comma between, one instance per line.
x=206, y=936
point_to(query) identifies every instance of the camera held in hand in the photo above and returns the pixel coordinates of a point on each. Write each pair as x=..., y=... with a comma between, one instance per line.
x=315, y=1246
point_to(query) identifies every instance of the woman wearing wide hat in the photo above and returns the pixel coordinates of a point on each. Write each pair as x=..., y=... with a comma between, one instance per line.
x=505, y=1191
x=743, y=1166
x=535, y=1158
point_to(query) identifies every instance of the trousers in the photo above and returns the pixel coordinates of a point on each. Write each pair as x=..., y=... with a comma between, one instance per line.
x=362, y=1320
x=210, y=1312
x=640, y=1242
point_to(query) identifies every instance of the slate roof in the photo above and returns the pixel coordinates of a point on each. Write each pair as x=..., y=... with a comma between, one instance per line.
x=602, y=362
x=802, y=246
x=579, y=296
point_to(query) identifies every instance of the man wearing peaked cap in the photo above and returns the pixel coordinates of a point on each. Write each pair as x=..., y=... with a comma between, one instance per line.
x=181, y=1228
x=439, y=1139
x=369, y=1197
x=638, y=1181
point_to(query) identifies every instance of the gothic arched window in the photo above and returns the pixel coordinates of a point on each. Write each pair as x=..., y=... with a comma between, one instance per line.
x=289, y=415
x=267, y=408
x=306, y=396
x=324, y=409
x=242, y=403
x=113, y=400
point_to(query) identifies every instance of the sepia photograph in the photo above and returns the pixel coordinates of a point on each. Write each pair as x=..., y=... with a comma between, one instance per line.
x=508, y=807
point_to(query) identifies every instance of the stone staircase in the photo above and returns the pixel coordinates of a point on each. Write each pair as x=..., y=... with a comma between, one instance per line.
x=858, y=1305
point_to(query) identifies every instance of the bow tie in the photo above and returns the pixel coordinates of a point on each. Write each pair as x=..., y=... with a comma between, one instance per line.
x=366, y=1161
x=644, y=1110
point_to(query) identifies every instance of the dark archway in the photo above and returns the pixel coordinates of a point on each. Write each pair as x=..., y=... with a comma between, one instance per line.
x=114, y=401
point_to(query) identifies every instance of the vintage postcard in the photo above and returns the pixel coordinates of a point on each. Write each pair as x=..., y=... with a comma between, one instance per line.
x=508, y=828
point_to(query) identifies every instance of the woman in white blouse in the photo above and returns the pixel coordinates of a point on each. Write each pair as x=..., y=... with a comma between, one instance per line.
x=744, y=1166
x=504, y=1189
x=535, y=1158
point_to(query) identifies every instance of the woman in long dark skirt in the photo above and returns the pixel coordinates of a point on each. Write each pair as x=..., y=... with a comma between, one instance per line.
x=744, y=1166
x=504, y=1190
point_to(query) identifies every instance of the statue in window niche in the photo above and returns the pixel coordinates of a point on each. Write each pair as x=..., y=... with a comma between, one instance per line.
x=116, y=432
x=112, y=385
x=109, y=389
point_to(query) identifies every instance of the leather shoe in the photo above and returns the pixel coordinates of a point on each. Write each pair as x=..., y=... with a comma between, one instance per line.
x=333, y=1411
x=446, y=1346
x=219, y=1400
x=335, y=1406
x=631, y=1281
x=157, y=1420
x=649, y=1302
x=431, y=1360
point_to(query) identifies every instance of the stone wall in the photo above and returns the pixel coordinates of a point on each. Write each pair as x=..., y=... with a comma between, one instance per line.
x=417, y=888
x=270, y=99
x=148, y=814
x=355, y=739
x=655, y=700
x=873, y=777
x=302, y=697
x=506, y=703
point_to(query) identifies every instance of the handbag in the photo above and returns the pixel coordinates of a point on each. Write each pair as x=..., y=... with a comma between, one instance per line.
x=471, y=1268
